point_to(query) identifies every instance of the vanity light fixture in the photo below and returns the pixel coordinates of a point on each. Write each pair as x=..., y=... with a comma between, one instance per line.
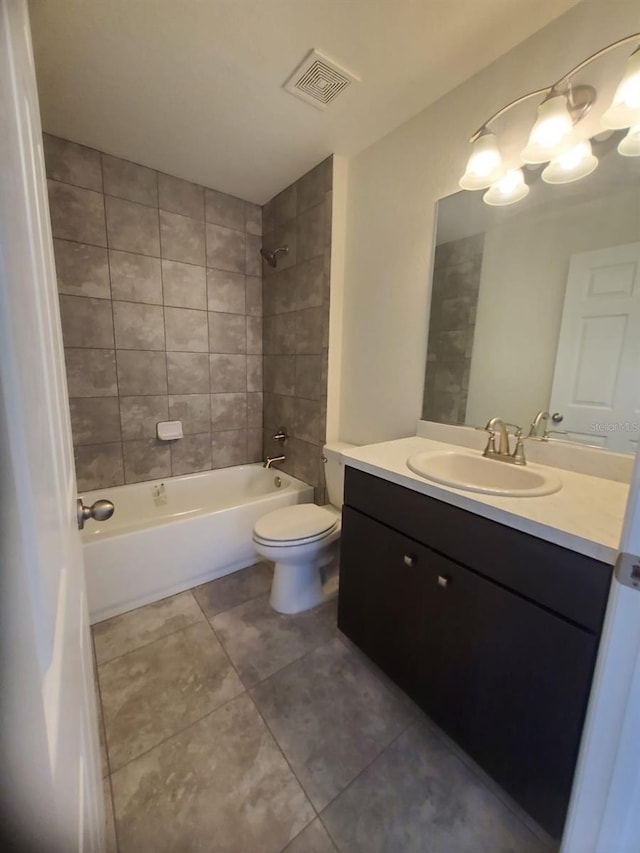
x=507, y=190
x=578, y=162
x=629, y=146
x=555, y=137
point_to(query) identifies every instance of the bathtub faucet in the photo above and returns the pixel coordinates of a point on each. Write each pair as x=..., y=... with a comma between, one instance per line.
x=268, y=462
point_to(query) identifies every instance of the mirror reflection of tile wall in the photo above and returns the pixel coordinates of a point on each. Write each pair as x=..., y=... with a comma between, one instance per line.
x=454, y=300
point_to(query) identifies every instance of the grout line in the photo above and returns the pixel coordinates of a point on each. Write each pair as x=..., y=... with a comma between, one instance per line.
x=151, y=642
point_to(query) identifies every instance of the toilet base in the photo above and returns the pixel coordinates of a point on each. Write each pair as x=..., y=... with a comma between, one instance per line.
x=298, y=586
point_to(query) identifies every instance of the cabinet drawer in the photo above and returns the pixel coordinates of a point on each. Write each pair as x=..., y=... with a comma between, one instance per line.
x=570, y=584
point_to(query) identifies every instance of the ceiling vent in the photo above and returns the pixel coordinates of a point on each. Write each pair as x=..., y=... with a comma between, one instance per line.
x=318, y=80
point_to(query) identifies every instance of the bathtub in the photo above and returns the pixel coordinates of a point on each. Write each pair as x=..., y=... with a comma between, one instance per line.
x=168, y=535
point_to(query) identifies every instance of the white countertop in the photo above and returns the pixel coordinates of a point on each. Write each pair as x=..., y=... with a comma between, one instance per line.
x=585, y=515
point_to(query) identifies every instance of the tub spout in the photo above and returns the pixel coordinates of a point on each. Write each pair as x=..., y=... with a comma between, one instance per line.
x=268, y=462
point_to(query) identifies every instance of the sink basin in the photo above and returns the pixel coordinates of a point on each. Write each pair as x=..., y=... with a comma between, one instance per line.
x=475, y=473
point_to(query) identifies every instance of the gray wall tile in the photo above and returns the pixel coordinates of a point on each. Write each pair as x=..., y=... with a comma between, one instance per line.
x=253, y=295
x=254, y=445
x=95, y=420
x=194, y=410
x=295, y=305
x=309, y=376
x=141, y=373
x=144, y=460
x=132, y=227
x=227, y=333
x=99, y=466
x=188, y=373
x=313, y=186
x=182, y=238
x=72, y=163
x=159, y=284
x=309, y=324
x=225, y=248
x=186, y=330
x=140, y=415
x=86, y=322
x=77, y=214
x=306, y=422
x=252, y=218
x=91, y=372
x=254, y=373
x=129, y=181
x=229, y=447
x=226, y=291
x=253, y=260
x=184, y=285
x=223, y=209
x=310, y=232
x=190, y=454
x=138, y=326
x=254, y=335
x=135, y=278
x=178, y=196
x=228, y=373
x=254, y=410
x=82, y=270
x=228, y=411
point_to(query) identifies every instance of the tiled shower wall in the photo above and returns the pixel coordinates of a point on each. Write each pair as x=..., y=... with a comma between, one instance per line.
x=454, y=300
x=161, y=303
x=296, y=322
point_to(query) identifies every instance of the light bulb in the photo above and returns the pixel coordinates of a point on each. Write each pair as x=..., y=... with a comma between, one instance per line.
x=485, y=163
x=552, y=133
x=507, y=190
x=629, y=146
x=571, y=165
x=625, y=107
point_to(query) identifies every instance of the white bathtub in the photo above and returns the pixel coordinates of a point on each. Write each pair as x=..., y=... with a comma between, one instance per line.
x=169, y=535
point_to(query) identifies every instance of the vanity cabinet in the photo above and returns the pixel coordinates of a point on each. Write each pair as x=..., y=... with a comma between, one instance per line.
x=493, y=632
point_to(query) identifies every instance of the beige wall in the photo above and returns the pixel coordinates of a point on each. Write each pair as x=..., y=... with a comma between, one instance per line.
x=392, y=193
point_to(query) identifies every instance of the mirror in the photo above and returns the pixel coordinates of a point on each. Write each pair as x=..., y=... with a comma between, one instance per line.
x=535, y=307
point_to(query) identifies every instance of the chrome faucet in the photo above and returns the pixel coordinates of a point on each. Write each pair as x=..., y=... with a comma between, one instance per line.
x=503, y=452
x=270, y=460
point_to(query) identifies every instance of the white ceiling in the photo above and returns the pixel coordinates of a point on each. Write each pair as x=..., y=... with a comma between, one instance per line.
x=194, y=87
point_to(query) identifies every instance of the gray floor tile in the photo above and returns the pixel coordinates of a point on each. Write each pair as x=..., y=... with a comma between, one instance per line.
x=234, y=589
x=418, y=797
x=221, y=785
x=260, y=641
x=331, y=717
x=109, y=824
x=313, y=839
x=157, y=690
x=122, y=634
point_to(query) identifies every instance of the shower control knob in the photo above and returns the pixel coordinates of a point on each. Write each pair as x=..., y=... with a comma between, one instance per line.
x=98, y=511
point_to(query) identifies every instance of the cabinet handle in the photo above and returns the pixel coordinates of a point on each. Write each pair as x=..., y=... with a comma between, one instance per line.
x=443, y=582
x=408, y=560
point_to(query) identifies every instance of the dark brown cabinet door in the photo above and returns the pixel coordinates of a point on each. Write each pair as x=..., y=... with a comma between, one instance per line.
x=507, y=679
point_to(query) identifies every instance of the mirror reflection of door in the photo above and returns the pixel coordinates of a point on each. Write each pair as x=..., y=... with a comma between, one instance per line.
x=595, y=384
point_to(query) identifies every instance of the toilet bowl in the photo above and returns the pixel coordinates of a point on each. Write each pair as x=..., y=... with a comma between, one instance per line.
x=301, y=540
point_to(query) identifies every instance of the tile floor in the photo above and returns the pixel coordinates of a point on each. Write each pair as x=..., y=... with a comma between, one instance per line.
x=228, y=728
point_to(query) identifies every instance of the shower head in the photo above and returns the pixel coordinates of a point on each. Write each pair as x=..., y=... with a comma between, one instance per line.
x=272, y=257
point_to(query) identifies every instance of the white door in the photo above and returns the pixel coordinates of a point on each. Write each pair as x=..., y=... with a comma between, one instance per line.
x=604, y=815
x=595, y=385
x=50, y=777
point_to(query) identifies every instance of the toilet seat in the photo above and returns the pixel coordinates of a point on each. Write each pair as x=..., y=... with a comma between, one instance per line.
x=295, y=525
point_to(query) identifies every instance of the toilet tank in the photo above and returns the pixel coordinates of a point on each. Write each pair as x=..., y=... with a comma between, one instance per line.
x=334, y=471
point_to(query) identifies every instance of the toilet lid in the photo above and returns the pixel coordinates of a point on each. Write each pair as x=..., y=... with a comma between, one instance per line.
x=295, y=522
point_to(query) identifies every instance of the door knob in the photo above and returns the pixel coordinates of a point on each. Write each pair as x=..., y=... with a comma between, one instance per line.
x=99, y=511
x=557, y=417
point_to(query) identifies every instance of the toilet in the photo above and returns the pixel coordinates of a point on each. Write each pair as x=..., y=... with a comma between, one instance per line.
x=302, y=540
